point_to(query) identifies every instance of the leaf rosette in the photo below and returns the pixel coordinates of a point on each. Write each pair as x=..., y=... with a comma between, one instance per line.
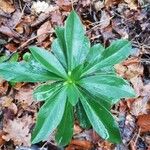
x=83, y=83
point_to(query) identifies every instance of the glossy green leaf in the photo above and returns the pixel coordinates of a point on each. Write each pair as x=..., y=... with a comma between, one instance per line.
x=102, y=120
x=46, y=91
x=59, y=46
x=115, y=53
x=82, y=117
x=56, y=49
x=65, y=129
x=49, y=117
x=48, y=60
x=74, y=37
x=61, y=39
x=72, y=93
x=25, y=72
x=111, y=86
x=103, y=100
x=95, y=53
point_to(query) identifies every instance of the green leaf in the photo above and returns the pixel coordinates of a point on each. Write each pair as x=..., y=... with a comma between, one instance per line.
x=48, y=61
x=72, y=93
x=49, y=117
x=74, y=37
x=95, y=53
x=103, y=100
x=61, y=39
x=14, y=57
x=102, y=120
x=110, y=86
x=56, y=49
x=82, y=117
x=46, y=91
x=59, y=46
x=115, y=53
x=25, y=72
x=65, y=129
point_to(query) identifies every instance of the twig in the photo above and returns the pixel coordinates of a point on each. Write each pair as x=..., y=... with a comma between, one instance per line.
x=138, y=135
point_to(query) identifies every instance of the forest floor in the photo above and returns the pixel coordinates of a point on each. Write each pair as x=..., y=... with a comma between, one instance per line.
x=26, y=22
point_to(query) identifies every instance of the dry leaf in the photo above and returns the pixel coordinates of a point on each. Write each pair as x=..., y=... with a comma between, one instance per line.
x=134, y=70
x=131, y=4
x=138, y=85
x=6, y=6
x=105, y=19
x=109, y=3
x=80, y=145
x=56, y=18
x=24, y=95
x=144, y=122
x=44, y=28
x=64, y=4
x=11, y=47
x=7, y=31
x=18, y=130
x=139, y=106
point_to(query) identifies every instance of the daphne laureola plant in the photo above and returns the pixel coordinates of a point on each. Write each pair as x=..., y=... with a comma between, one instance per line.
x=79, y=81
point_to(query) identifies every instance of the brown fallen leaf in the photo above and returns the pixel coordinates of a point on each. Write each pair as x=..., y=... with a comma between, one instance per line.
x=11, y=47
x=6, y=6
x=144, y=122
x=44, y=28
x=64, y=4
x=24, y=95
x=80, y=145
x=139, y=106
x=56, y=18
x=18, y=130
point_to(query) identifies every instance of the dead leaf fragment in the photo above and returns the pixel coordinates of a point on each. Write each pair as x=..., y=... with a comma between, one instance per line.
x=24, y=95
x=80, y=145
x=64, y=4
x=41, y=32
x=105, y=19
x=144, y=122
x=6, y=6
x=132, y=4
x=18, y=130
x=2, y=141
x=109, y=3
x=7, y=31
x=139, y=106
